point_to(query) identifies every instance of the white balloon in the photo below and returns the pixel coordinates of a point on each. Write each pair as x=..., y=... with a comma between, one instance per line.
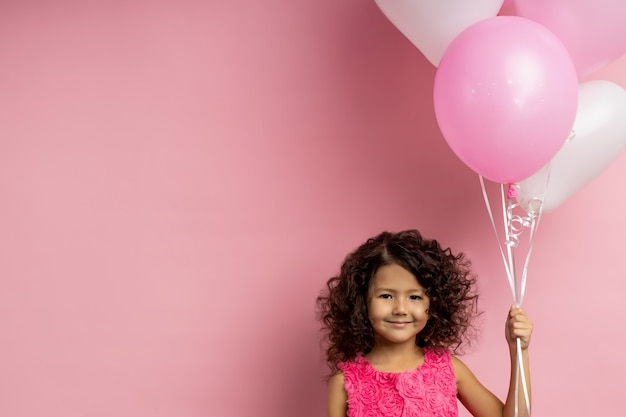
x=431, y=25
x=599, y=136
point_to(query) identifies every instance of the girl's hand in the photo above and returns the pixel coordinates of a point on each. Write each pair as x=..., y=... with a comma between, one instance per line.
x=518, y=326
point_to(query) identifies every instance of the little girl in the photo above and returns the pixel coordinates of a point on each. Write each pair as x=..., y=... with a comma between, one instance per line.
x=391, y=318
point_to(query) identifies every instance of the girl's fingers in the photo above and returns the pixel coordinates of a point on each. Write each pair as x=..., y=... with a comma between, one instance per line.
x=519, y=326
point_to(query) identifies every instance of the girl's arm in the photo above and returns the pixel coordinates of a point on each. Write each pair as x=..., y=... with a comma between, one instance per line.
x=478, y=400
x=481, y=402
x=337, y=399
x=518, y=326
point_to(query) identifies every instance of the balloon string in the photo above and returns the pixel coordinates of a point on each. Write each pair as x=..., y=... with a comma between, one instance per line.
x=520, y=360
x=495, y=230
x=509, y=248
x=532, y=222
x=533, y=229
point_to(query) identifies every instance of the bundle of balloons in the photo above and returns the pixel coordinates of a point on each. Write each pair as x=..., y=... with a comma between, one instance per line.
x=510, y=101
x=508, y=94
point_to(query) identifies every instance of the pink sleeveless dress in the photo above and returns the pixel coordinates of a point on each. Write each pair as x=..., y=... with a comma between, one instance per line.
x=428, y=391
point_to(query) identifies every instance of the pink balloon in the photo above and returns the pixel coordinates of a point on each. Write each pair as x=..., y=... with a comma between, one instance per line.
x=505, y=97
x=592, y=31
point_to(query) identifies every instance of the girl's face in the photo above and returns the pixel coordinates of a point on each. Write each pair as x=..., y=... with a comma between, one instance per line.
x=397, y=305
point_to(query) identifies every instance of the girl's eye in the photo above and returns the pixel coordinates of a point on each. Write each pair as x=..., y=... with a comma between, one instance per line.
x=385, y=296
x=415, y=297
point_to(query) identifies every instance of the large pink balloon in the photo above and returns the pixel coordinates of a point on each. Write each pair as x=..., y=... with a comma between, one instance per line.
x=505, y=97
x=591, y=30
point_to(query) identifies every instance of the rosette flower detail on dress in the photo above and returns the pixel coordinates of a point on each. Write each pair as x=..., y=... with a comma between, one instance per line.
x=428, y=391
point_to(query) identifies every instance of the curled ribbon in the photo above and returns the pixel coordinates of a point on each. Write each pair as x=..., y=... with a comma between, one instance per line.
x=514, y=226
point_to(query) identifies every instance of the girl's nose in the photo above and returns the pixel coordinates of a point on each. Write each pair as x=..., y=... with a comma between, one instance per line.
x=399, y=307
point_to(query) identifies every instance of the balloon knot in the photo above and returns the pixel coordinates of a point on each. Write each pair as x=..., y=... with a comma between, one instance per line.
x=512, y=191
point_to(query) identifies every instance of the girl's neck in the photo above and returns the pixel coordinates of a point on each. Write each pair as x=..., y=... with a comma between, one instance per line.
x=395, y=357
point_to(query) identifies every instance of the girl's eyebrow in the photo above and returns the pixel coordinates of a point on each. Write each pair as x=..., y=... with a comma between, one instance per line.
x=394, y=291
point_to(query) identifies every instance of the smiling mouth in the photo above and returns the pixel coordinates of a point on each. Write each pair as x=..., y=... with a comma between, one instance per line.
x=399, y=323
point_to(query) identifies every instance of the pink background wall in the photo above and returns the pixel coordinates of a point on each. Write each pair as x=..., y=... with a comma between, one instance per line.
x=179, y=178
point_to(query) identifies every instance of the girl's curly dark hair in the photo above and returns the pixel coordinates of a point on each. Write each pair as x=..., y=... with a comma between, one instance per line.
x=446, y=277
